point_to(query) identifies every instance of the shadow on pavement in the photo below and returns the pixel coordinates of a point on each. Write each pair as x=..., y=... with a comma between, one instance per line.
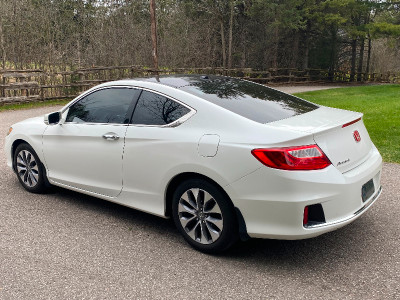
x=326, y=251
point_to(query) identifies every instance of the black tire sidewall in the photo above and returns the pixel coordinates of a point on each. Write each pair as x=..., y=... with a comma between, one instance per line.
x=40, y=186
x=229, y=234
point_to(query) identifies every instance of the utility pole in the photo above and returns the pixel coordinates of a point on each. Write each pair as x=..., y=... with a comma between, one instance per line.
x=154, y=32
x=232, y=7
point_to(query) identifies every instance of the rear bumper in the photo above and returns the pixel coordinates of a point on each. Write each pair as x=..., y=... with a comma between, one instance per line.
x=272, y=201
x=351, y=218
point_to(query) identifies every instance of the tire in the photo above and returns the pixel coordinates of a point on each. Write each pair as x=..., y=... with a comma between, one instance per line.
x=205, y=216
x=29, y=169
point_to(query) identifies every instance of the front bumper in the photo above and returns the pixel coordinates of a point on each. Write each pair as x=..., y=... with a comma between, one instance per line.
x=7, y=149
x=272, y=201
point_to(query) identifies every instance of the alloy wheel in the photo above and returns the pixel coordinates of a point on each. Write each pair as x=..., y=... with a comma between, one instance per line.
x=27, y=168
x=200, y=216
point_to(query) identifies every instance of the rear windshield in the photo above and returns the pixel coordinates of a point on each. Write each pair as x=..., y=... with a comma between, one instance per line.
x=253, y=101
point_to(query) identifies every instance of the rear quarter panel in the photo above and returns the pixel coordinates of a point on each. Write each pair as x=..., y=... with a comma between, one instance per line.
x=155, y=155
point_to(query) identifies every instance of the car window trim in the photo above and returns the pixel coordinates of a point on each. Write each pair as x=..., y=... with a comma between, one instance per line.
x=132, y=106
x=175, y=123
x=129, y=111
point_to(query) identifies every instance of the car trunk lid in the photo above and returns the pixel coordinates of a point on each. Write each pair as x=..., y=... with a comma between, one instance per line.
x=339, y=133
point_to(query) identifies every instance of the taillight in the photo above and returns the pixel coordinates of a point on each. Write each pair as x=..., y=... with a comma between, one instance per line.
x=305, y=216
x=293, y=158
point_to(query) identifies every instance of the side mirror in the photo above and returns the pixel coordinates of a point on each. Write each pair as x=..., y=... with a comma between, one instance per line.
x=53, y=118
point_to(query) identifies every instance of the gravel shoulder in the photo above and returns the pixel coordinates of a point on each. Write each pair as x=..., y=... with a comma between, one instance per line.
x=64, y=245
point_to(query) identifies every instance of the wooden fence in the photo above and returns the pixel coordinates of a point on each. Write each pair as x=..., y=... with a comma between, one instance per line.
x=38, y=85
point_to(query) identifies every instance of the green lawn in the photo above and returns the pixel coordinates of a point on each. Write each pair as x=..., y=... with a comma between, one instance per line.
x=381, y=107
x=32, y=104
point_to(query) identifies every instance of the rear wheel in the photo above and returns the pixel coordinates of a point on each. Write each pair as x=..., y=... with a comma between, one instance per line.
x=205, y=216
x=29, y=169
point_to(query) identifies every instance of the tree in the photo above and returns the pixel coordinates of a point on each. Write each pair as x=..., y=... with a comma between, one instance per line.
x=154, y=32
x=327, y=34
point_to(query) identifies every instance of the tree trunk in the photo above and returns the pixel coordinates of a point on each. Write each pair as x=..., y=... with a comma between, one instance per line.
x=307, y=35
x=230, y=35
x=332, y=63
x=154, y=32
x=223, y=44
x=244, y=52
x=306, y=49
x=295, y=56
x=353, y=59
x=361, y=61
x=369, y=55
x=78, y=46
x=210, y=56
x=2, y=48
x=276, y=48
x=306, y=53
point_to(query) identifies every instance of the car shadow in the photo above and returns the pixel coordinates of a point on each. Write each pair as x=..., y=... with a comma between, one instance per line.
x=118, y=211
x=352, y=245
x=348, y=243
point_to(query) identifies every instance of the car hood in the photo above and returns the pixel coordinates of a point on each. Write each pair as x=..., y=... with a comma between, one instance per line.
x=35, y=120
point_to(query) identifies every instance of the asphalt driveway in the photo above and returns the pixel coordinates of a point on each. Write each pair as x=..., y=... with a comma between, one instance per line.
x=64, y=245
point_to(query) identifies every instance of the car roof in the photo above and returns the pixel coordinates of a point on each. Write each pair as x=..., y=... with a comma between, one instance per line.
x=176, y=81
x=250, y=100
x=181, y=80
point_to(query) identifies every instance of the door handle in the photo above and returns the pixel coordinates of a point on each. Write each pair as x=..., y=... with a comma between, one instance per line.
x=110, y=136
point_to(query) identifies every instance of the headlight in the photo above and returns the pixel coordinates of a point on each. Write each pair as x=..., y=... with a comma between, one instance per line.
x=9, y=130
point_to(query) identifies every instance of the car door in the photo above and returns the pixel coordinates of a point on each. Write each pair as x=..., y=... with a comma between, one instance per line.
x=154, y=144
x=86, y=150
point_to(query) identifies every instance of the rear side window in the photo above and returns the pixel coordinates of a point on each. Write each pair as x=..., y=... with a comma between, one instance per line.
x=155, y=109
x=104, y=106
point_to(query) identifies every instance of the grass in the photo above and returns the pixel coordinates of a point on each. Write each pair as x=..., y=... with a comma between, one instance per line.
x=33, y=104
x=381, y=107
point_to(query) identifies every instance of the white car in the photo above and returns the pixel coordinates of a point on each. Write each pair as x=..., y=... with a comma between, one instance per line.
x=226, y=158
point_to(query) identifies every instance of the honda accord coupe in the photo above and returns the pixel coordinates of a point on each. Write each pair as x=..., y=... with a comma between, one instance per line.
x=226, y=158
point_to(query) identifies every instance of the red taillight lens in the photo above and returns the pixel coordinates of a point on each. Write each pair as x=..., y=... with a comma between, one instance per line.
x=305, y=215
x=293, y=158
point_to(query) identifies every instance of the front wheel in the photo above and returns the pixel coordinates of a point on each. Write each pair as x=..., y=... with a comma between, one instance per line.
x=29, y=169
x=205, y=216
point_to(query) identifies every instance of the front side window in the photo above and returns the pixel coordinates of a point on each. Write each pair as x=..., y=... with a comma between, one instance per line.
x=154, y=109
x=110, y=105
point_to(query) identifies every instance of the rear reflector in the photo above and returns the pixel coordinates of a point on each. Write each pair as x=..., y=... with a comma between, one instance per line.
x=350, y=123
x=308, y=157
